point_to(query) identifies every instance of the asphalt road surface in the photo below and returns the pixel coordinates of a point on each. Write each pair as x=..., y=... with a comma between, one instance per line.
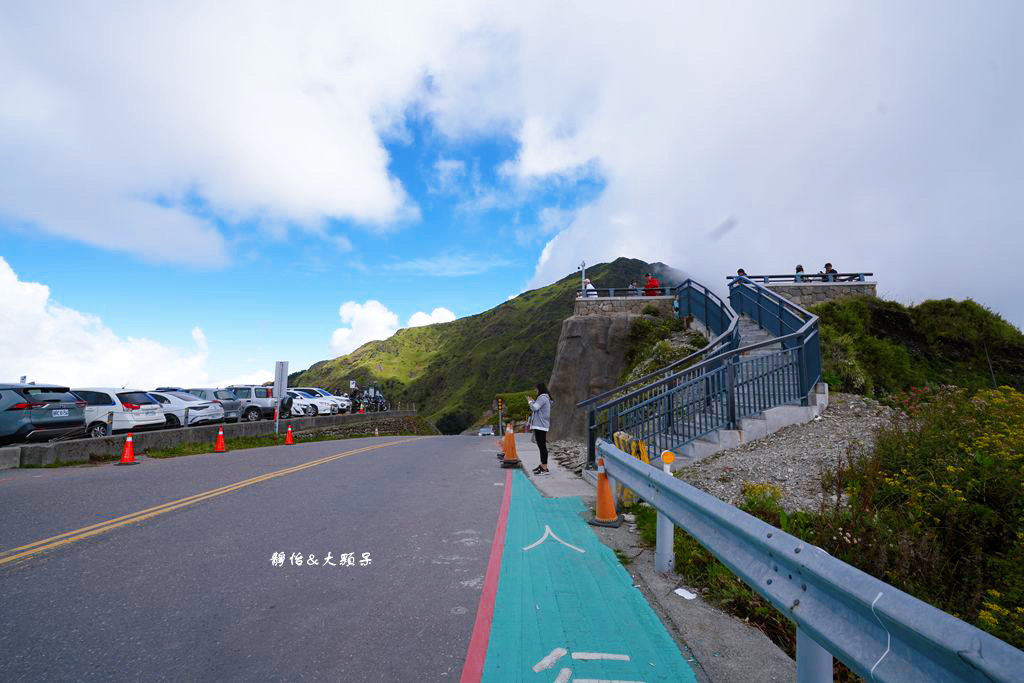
x=166, y=571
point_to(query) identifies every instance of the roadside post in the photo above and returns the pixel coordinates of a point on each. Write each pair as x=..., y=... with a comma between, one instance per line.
x=664, y=554
x=110, y=423
x=280, y=387
x=186, y=417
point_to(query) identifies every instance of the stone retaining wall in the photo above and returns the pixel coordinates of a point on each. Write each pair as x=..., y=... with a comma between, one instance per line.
x=811, y=293
x=605, y=305
x=107, y=448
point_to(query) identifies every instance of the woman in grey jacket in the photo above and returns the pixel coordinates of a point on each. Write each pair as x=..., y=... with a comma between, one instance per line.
x=540, y=422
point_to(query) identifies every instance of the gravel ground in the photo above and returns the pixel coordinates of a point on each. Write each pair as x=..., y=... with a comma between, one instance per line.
x=793, y=459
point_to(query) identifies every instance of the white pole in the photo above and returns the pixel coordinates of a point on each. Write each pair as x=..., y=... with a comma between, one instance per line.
x=664, y=551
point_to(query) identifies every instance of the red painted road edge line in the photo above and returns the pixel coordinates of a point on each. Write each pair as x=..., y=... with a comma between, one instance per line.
x=476, y=655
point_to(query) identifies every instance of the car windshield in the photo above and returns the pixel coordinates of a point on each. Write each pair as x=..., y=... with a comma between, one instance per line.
x=308, y=394
x=183, y=395
x=225, y=395
x=48, y=394
x=137, y=397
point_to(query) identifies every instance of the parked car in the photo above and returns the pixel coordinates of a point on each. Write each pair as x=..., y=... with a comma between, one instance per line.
x=257, y=401
x=225, y=397
x=486, y=431
x=321, y=405
x=302, y=405
x=37, y=412
x=132, y=410
x=343, y=402
x=199, y=412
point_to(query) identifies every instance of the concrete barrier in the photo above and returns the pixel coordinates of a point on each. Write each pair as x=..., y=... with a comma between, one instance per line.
x=10, y=457
x=106, y=448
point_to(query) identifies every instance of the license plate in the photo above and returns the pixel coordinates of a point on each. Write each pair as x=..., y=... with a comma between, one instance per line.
x=60, y=413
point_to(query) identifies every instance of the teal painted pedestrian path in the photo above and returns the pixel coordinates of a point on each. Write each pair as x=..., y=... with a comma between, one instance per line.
x=553, y=596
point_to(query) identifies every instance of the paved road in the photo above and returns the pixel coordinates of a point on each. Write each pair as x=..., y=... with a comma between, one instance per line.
x=189, y=591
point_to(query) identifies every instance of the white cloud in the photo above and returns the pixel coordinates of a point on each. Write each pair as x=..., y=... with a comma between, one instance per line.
x=51, y=343
x=438, y=315
x=449, y=265
x=372, y=320
x=128, y=113
x=366, y=322
x=813, y=125
x=447, y=175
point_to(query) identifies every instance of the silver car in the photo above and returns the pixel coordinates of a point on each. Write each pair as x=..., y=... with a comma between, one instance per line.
x=231, y=403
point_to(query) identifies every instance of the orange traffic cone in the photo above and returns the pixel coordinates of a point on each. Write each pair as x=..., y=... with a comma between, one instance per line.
x=128, y=453
x=218, y=447
x=361, y=410
x=511, y=459
x=288, y=438
x=605, y=514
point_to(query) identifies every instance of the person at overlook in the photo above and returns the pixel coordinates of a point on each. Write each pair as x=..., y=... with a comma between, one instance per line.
x=799, y=274
x=652, y=287
x=829, y=274
x=634, y=288
x=589, y=290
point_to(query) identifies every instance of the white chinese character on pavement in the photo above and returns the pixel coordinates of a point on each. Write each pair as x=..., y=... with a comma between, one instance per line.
x=296, y=559
x=277, y=559
x=366, y=560
x=347, y=560
x=311, y=560
x=327, y=561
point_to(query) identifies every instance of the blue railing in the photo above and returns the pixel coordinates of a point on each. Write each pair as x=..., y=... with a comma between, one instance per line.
x=792, y=326
x=722, y=383
x=805, y=277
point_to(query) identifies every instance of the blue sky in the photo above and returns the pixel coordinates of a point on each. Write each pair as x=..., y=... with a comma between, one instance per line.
x=474, y=242
x=189, y=192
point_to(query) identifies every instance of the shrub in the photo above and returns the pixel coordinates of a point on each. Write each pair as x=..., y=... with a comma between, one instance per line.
x=651, y=310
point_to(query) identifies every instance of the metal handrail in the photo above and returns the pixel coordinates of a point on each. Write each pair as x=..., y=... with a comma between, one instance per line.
x=877, y=630
x=660, y=401
x=711, y=346
x=624, y=292
x=809, y=278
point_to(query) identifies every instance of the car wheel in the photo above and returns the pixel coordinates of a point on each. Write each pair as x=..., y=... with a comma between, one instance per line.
x=172, y=422
x=313, y=411
x=251, y=414
x=98, y=430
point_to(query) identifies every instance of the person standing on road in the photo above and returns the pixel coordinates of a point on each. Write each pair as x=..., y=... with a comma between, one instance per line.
x=540, y=422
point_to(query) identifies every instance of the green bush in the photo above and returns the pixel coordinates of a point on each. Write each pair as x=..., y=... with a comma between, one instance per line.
x=651, y=310
x=936, y=510
x=871, y=346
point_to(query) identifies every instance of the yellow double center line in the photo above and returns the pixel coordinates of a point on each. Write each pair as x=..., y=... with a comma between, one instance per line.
x=24, y=551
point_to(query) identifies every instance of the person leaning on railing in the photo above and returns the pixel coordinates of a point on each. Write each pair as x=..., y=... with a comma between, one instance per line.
x=652, y=287
x=799, y=276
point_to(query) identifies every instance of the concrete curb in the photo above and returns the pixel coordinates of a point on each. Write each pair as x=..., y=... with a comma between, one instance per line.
x=107, y=448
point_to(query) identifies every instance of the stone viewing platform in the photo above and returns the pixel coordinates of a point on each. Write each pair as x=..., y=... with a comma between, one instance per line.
x=809, y=289
x=811, y=293
x=607, y=305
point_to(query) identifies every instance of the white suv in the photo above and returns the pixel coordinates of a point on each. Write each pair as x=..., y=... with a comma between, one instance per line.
x=132, y=410
x=257, y=401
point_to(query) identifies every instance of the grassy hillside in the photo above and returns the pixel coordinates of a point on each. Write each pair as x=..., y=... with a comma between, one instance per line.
x=878, y=347
x=453, y=370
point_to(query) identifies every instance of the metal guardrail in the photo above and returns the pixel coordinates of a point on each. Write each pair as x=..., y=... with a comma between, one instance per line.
x=878, y=631
x=806, y=277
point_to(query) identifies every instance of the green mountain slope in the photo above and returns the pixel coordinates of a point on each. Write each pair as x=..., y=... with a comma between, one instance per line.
x=453, y=370
x=873, y=346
